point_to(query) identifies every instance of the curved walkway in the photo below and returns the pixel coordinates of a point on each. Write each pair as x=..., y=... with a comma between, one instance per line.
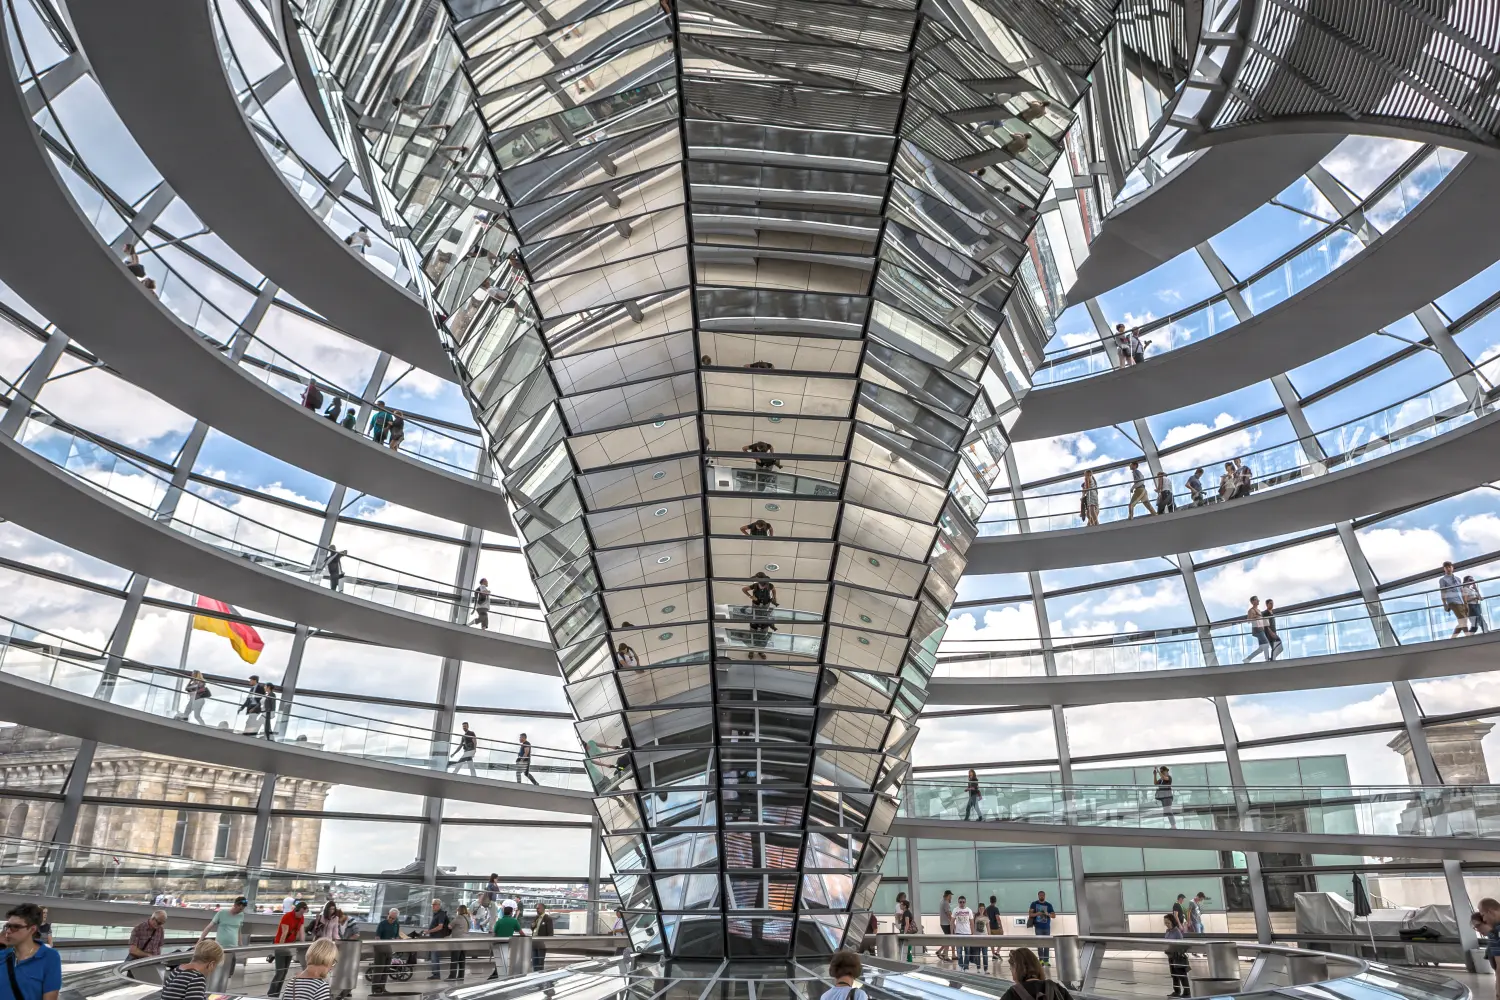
x=167, y=80
x=52, y=251
x=1452, y=462
x=1453, y=234
x=1209, y=193
x=1438, y=658
x=88, y=718
x=40, y=496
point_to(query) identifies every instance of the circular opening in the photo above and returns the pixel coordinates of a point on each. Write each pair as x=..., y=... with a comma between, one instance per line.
x=772, y=567
x=663, y=560
x=668, y=609
x=660, y=512
x=773, y=507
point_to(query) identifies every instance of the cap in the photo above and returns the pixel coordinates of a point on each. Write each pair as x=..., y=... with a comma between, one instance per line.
x=300, y=904
x=241, y=901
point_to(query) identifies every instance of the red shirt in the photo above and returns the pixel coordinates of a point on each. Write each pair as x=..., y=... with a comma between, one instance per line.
x=290, y=928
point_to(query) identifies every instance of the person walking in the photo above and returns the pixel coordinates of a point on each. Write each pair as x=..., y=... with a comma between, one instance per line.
x=380, y=423
x=334, y=567
x=359, y=240
x=227, y=927
x=468, y=743
x=197, y=693
x=1246, y=484
x=462, y=924
x=1451, y=593
x=270, y=710
x=542, y=927
x=396, y=430
x=1165, y=501
x=1089, y=505
x=189, y=981
x=992, y=926
x=1122, y=346
x=481, y=604
x=312, y=982
x=1268, y=622
x=1161, y=777
x=351, y=417
x=1257, y=629
x=334, y=409
x=1195, y=488
x=758, y=528
x=523, y=762
x=844, y=968
x=1475, y=602
x=254, y=706
x=945, y=922
x=1039, y=917
x=388, y=929
x=1137, y=490
x=312, y=396
x=1177, y=961
x=1030, y=979
x=1229, y=482
x=972, y=789
x=288, y=931
x=325, y=926
x=33, y=969
x=1136, y=345
x=906, y=923
x=963, y=926
x=1195, y=913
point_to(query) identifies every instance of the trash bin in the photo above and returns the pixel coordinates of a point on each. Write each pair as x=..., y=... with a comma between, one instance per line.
x=1223, y=960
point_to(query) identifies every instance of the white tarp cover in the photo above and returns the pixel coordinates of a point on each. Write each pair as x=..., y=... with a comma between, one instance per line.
x=1332, y=914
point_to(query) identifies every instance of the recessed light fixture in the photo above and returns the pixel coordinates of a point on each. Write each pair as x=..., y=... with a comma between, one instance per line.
x=658, y=475
x=665, y=636
x=659, y=423
x=863, y=641
x=874, y=561
x=774, y=420
x=663, y=560
x=773, y=507
x=777, y=402
x=668, y=609
x=866, y=619
x=772, y=567
x=660, y=512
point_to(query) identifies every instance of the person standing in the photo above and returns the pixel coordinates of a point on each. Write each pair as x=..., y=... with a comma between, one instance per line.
x=334, y=409
x=972, y=789
x=334, y=566
x=945, y=922
x=1090, y=499
x=992, y=924
x=1451, y=593
x=389, y=929
x=1039, y=916
x=507, y=927
x=254, y=706
x=288, y=931
x=462, y=924
x=523, y=762
x=438, y=928
x=189, y=981
x=325, y=925
x=484, y=913
x=1229, y=482
x=1137, y=491
x=312, y=396
x=1475, y=601
x=146, y=937
x=482, y=604
x=1030, y=979
x=1195, y=488
x=359, y=240
x=541, y=928
x=626, y=656
x=197, y=693
x=1257, y=629
x=468, y=743
x=758, y=528
x=312, y=982
x=1195, y=913
x=396, y=430
x=1161, y=777
x=1122, y=346
x=33, y=969
x=44, y=929
x=1165, y=501
x=906, y=924
x=1268, y=622
x=228, y=928
x=845, y=968
x=380, y=423
x=963, y=926
x=1177, y=962
x=270, y=710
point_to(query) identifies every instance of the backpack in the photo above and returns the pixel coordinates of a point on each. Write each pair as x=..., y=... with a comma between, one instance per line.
x=314, y=397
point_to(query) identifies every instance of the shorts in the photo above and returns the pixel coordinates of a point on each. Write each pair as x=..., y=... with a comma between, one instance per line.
x=1460, y=611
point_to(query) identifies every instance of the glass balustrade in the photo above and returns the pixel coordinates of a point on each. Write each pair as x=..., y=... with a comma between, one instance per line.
x=1471, y=811
x=198, y=515
x=1332, y=629
x=58, y=662
x=1314, y=259
x=1401, y=425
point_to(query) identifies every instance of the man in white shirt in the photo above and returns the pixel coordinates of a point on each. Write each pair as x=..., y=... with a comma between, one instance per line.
x=1450, y=591
x=287, y=903
x=963, y=926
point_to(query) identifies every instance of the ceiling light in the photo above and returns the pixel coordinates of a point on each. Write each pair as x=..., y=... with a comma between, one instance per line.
x=663, y=560
x=660, y=512
x=772, y=567
x=777, y=402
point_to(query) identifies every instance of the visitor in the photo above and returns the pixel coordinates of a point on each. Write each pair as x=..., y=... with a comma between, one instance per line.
x=1229, y=483
x=1247, y=483
x=351, y=416
x=626, y=656
x=288, y=931
x=334, y=566
x=945, y=921
x=395, y=429
x=359, y=240
x=482, y=604
x=312, y=396
x=253, y=706
x=523, y=762
x=312, y=982
x=493, y=885
x=44, y=929
x=845, y=969
x=1136, y=345
x=1257, y=629
x=227, y=927
x=541, y=927
x=906, y=923
x=33, y=969
x=1179, y=909
x=484, y=913
x=1137, y=490
x=508, y=927
x=1033, y=111
x=133, y=261
x=1122, y=346
x=1039, y=916
x=334, y=409
x=1451, y=592
x=197, y=693
x=761, y=591
x=380, y=423
x=1268, y=622
x=1195, y=488
x=963, y=926
x=1165, y=501
x=759, y=528
x=972, y=788
x=1489, y=912
x=1161, y=777
x=149, y=284
x=1090, y=500
x=270, y=710
x=146, y=937
x=1018, y=144
x=992, y=923
x=1177, y=961
x=438, y=927
x=762, y=448
x=389, y=929
x=1030, y=979
x=189, y=981
x=462, y=924
x=1195, y=913
x=468, y=743
x=289, y=901
x=325, y=926
x=1476, y=606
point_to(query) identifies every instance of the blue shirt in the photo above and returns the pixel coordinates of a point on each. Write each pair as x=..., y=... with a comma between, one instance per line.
x=1041, y=916
x=39, y=974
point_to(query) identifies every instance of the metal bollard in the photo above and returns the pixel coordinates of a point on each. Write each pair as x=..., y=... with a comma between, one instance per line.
x=345, y=975
x=1306, y=969
x=1223, y=960
x=1067, y=959
x=888, y=946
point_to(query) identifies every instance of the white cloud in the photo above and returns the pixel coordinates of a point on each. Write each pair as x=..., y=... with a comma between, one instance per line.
x=1478, y=532
x=1399, y=552
x=1302, y=573
x=1210, y=453
x=1363, y=162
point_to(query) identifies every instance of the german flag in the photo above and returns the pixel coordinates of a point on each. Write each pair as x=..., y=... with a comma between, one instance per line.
x=245, y=640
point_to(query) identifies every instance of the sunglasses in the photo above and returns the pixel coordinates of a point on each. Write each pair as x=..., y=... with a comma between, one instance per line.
x=16, y=928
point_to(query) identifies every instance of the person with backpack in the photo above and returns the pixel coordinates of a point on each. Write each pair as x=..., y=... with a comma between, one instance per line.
x=1031, y=982
x=867, y=943
x=197, y=693
x=396, y=430
x=312, y=396
x=380, y=423
x=1039, y=917
x=845, y=969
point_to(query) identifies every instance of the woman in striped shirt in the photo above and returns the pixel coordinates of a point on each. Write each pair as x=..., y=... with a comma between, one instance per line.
x=189, y=981
x=312, y=982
